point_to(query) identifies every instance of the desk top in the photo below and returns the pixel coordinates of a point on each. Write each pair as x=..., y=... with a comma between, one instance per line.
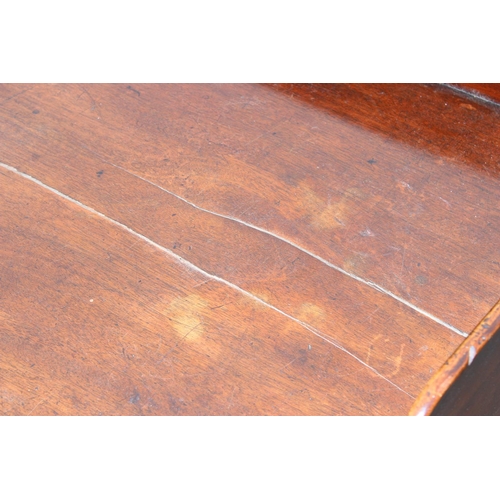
x=241, y=249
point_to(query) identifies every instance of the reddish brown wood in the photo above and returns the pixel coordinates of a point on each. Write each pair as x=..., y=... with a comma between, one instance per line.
x=387, y=182
x=348, y=208
x=97, y=321
x=487, y=91
x=469, y=382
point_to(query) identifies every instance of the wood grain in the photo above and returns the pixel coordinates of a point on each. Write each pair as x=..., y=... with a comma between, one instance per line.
x=484, y=91
x=357, y=217
x=98, y=321
x=469, y=382
x=381, y=181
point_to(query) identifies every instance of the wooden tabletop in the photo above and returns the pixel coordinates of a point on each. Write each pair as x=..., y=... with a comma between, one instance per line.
x=241, y=249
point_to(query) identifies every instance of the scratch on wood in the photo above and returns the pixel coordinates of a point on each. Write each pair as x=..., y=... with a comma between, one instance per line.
x=288, y=364
x=178, y=343
x=398, y=361
x=202, y=283
x=36, y=406
x=448, y=204
x=195, y=268
x=471, y=94
x=134, y=90
x=15, y=95
x=94, y=104
x=298, y=247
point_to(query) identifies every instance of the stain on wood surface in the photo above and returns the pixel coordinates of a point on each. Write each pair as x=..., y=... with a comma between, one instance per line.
x=398, y=163
x=95, y=321
x=357, y=215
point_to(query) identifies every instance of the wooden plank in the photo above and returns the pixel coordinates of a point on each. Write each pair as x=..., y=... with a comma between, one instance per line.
x=327, y=205
x=400, y=344
x=96, y=320
x=469, y=382
x=484, y=91
x=385, y=182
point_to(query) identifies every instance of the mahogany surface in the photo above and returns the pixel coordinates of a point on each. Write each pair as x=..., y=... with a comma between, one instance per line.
x=490, y=91
x=344, y=238
x=469, y=382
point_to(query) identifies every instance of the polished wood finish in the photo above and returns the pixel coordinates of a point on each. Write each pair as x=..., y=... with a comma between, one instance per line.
x=469, y=382
x=98, y=321
x=484, y=91
x=386, y=182
x=357, y=220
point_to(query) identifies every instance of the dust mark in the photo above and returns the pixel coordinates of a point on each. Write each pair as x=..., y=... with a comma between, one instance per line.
x=186, y=315
x=398, y=360
x=134, y=398
x=367, y=232
x=421, y=280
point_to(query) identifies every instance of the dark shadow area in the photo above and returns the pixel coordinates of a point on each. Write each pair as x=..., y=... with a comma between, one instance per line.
x=477, y=389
